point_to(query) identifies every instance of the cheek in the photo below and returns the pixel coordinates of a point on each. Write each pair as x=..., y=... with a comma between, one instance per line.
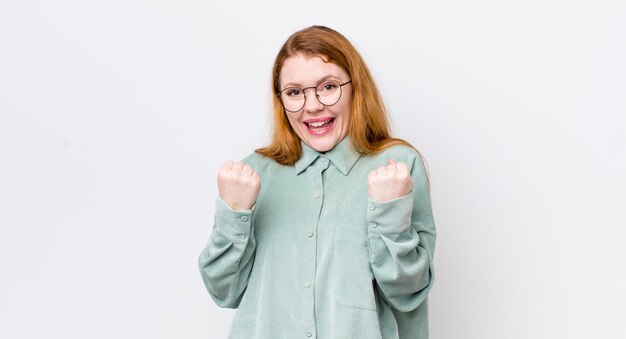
x=345, y=112
x=293, y=121
x=345, y=109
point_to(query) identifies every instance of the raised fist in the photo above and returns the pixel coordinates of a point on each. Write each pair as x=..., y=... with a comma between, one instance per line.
x=238, y=185
x=389, y=182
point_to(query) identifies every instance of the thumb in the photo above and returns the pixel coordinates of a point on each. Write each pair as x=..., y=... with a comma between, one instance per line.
x=391, y=161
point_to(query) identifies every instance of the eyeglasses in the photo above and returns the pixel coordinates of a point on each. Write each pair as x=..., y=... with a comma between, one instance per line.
x=327, y=93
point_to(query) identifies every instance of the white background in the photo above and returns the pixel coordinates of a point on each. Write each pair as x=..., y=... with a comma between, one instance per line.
x=116, y=115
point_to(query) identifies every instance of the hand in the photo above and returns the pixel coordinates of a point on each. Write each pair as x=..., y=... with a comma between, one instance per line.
x=389, y=182
x=238, y=185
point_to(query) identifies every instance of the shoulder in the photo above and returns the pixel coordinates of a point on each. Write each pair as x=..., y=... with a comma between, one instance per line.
x=398, y=151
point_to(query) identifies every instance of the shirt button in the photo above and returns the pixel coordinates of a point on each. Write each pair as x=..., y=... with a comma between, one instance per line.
x=374, y=225
x=316, y=195
x=241, y=236
x=308, y=333
x=307, y=284
x=310, y=234
x=244, y=218
x=324, y=159
x=372, y=207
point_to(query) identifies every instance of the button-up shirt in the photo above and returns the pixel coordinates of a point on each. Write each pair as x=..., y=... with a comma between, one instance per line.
x=316, y=257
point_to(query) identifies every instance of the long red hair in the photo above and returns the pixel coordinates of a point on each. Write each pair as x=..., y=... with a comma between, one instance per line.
x=369, y=125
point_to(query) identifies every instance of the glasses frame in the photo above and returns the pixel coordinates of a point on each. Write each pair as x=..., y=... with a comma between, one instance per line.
x=317, y=96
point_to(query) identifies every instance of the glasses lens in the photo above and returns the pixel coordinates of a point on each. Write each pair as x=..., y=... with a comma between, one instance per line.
x=328, y=92
x=292, y=99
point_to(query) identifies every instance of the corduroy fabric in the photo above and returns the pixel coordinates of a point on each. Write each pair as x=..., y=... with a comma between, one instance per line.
x=315, y=257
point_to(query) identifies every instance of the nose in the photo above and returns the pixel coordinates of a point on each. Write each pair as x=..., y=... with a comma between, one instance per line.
x=311, y=103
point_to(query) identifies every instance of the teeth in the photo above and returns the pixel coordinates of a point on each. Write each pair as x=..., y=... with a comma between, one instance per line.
x=319, y=123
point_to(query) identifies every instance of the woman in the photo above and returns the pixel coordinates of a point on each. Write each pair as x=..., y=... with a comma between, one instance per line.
x=328, y=231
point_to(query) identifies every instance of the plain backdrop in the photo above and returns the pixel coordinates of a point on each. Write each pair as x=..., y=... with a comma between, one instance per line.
x=116, y=115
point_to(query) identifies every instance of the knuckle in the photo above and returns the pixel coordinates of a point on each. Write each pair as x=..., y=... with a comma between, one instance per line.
x=224, y=174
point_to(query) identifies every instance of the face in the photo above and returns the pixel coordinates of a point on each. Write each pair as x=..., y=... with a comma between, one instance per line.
x=308, y=71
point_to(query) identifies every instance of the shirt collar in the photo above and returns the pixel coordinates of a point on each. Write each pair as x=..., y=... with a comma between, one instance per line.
x=343, y=156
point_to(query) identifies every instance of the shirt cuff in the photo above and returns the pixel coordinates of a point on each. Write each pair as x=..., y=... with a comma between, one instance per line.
x=235, y=225
x=393, y=216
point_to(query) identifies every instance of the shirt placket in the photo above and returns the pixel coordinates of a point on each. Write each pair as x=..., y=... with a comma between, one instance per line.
x=317, y=195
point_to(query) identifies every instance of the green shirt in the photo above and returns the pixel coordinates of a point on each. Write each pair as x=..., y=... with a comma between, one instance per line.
x=315, y=257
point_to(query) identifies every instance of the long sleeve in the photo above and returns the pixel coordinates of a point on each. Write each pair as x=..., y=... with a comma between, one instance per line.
x=226, y=260
x=401, y=241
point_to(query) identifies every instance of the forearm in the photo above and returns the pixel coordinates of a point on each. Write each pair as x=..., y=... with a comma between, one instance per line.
x=226, y=260
x=400, y=256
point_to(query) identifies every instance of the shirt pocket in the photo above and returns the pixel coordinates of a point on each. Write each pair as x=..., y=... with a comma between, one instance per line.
x=354, y=283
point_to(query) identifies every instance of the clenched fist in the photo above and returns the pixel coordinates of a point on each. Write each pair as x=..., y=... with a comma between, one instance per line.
x=238, y=185
x=389, y=182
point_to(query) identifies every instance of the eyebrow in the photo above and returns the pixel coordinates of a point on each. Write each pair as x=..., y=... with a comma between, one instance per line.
x=295, y=84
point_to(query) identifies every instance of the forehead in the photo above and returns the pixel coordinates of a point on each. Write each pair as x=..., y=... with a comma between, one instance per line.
x=304, y=70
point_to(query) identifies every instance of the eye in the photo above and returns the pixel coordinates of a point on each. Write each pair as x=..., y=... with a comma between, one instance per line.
x=293, y=92
x=328, y=87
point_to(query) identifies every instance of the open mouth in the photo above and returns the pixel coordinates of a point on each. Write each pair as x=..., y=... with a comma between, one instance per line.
x=319, y=126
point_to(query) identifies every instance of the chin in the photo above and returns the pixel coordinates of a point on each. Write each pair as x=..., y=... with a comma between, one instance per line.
x=321, y=148
x=324, y=145
x=321, y=143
